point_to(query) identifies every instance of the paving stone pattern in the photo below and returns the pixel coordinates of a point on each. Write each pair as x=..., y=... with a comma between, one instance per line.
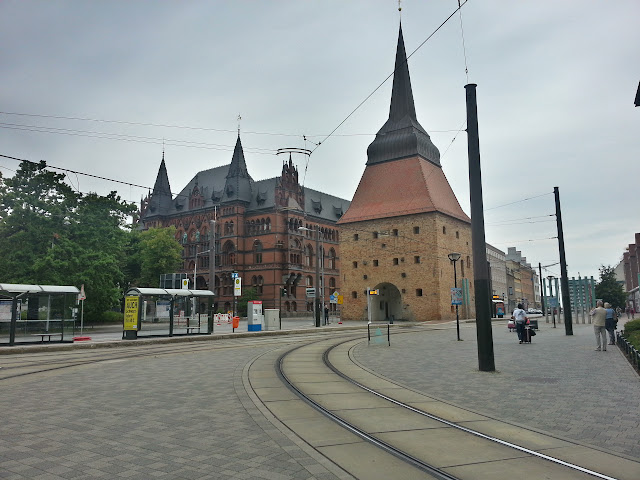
x=557, y=384
x=182, y=416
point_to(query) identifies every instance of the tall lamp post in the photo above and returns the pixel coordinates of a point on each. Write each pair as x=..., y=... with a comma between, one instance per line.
x=454, y=257
x=317, y=281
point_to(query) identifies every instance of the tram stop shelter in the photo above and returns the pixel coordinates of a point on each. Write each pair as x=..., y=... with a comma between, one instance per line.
x=37, y=313
x=167, y=312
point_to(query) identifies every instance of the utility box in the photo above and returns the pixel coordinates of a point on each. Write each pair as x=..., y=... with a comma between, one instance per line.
x=254, y=315
x=271, y=319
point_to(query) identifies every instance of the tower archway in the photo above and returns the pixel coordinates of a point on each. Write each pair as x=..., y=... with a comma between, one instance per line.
x=387, y=304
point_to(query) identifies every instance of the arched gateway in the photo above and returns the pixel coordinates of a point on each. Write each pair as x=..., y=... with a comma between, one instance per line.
x=387, y=305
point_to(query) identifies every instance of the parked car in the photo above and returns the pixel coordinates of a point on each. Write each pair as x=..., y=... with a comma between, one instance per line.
x=534, y=311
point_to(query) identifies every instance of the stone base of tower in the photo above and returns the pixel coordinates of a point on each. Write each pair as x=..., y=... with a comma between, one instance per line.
x=405, y=259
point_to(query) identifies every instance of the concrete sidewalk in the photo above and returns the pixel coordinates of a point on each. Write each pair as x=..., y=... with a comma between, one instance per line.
x=557, y=384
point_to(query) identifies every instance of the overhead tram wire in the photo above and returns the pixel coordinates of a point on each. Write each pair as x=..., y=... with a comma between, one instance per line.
x=122, y=182
x=384, y=81
x=131, y=138
x=518, y=201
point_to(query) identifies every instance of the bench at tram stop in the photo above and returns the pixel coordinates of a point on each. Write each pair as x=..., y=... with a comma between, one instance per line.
x=48, y=335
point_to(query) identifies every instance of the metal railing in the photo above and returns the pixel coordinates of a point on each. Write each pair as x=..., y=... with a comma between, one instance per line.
x=632, y=354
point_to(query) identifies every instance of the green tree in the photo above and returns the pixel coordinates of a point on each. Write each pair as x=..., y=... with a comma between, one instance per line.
x=50, y=234
x=159, y=252
x=248, y=294
x=608, y=288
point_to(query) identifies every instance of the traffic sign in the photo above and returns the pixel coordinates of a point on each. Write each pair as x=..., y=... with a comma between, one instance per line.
x=237, y=287
x=340, y=299
x=311, y=292
x=185, y=283
x=333, y=298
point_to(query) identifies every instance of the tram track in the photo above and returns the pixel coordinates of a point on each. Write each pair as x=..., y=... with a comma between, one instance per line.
x=307, y=370
x=17, y=366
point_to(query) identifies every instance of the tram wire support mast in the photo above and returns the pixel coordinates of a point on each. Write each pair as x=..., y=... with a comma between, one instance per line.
x=564, y=279
x=486, y=361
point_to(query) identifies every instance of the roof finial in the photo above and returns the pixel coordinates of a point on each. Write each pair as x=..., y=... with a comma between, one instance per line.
x=239, y=120
x=400, y=9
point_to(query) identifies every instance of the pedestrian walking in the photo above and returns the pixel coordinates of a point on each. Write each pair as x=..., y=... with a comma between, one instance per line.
x=628, y=311
x=520, y=317
x=610, y=323
x=326, y=315
x=598, y=316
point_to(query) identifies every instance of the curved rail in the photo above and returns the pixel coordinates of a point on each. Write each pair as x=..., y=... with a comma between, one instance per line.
x=416, y=462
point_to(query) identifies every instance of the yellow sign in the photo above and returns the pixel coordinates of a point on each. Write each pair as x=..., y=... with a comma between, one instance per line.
x=131, y=310
x=373, y=292
x=340, y=299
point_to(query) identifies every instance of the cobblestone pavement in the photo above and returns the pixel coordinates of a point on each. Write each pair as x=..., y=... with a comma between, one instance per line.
x=558, y=384
x=179, y=416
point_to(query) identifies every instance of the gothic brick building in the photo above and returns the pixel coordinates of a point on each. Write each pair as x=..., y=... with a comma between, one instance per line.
x=257, y=232
x=402, y=223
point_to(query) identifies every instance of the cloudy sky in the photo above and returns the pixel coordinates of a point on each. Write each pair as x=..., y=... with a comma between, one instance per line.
x=99, y=86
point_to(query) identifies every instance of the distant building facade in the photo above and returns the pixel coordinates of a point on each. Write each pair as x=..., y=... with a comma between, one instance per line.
x=498, y=265
x=403, y=222
x=255, y=229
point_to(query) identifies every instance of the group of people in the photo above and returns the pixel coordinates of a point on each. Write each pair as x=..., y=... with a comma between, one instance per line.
x=605, y=320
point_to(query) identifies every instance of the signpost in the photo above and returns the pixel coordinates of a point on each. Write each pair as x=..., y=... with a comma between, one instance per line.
x=81, y=298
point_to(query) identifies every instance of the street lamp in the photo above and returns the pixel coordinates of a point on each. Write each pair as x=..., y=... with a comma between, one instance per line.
x=318, y=255
x=454, y=257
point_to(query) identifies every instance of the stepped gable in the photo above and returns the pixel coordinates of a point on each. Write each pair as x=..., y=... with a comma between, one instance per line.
x=403, y=175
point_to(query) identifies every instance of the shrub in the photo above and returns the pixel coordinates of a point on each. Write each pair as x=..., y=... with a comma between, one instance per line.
x=111, y=317
x=632, y=326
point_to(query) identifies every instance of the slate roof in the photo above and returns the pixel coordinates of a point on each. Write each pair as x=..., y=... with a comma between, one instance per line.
x=259, y=195
x=402, y=135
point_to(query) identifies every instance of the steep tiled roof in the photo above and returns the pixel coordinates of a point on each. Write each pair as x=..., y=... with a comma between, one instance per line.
x=402, y=187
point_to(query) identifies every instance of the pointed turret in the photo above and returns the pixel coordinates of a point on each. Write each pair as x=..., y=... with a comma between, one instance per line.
x=238, y=183
x=160, y=201
x=402, y=135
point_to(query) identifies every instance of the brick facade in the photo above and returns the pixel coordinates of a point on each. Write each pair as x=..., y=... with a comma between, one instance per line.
x=406, y=257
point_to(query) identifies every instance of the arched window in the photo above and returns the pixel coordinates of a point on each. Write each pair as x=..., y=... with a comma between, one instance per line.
x=257, y=252
x=331, y=260
x=268, y=224
x=254, y=281
x=294, y=306
x=228, y=253
x=308, y=281
x=308, y=256
x=332, y=285
x=259, y=285
x=287, y=306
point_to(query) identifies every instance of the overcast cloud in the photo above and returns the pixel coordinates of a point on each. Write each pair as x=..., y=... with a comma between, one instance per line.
x=556, y=83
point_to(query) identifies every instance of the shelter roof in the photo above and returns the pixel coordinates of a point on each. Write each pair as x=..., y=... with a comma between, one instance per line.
x=10, y=289
x=170, y=292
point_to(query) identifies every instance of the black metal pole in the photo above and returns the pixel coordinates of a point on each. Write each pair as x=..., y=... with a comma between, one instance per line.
x=542, y=289
x=455, y=284
x=564, y=279
x=317, y=298
x=486, y=360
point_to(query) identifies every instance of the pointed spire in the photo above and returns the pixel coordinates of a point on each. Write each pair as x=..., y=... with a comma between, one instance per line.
x=160, y=198
x=238, y=183
x=402, y=135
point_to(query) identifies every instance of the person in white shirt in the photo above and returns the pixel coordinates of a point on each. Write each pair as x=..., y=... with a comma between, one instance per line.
x=520, y=317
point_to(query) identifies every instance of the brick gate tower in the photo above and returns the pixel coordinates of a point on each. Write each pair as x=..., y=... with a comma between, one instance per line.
x=402, y=223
